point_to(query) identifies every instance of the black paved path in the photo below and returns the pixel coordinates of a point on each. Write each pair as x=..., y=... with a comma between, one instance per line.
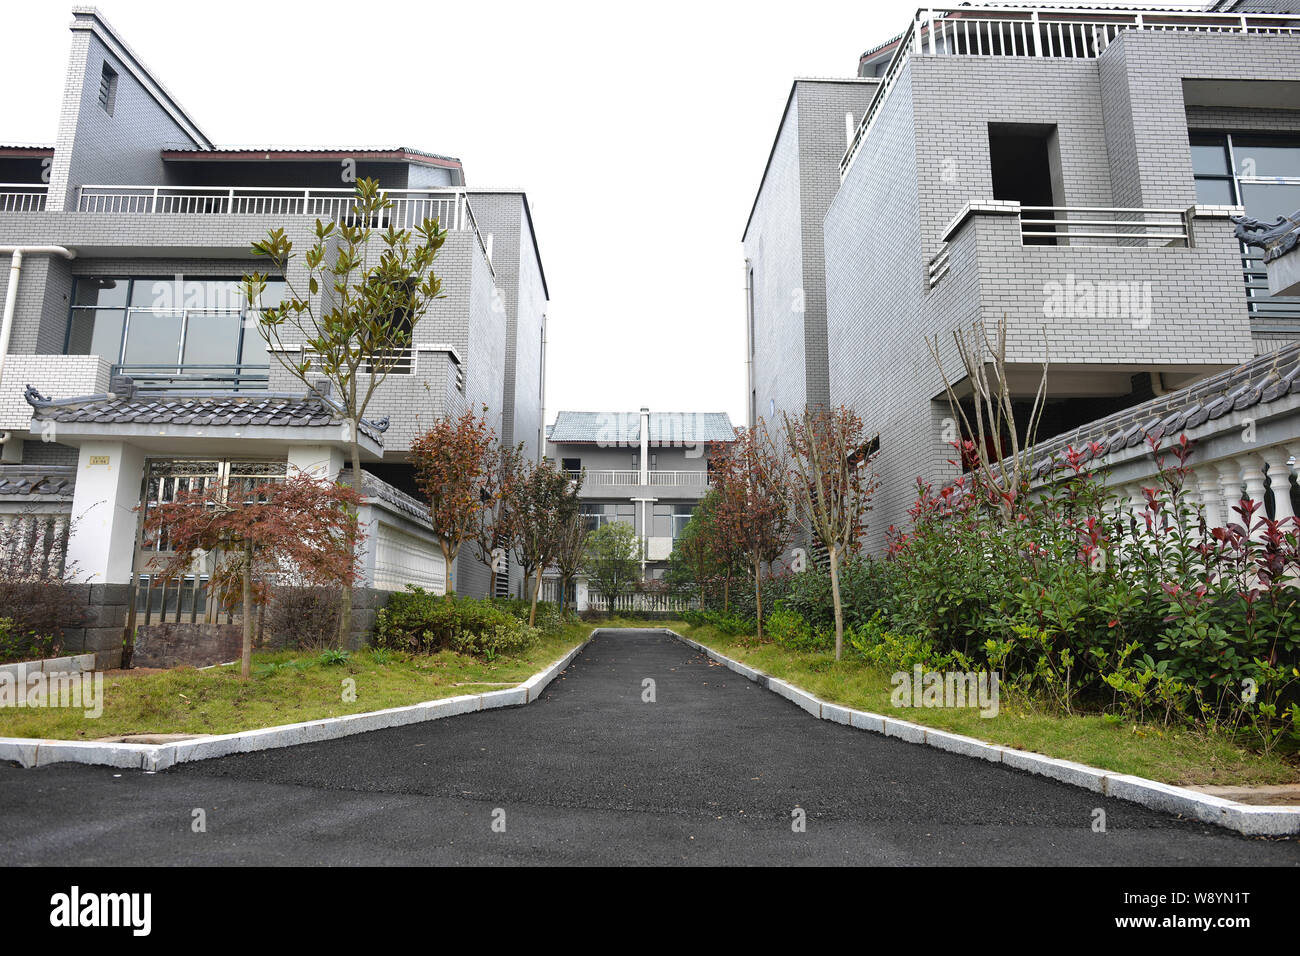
x=590, y=774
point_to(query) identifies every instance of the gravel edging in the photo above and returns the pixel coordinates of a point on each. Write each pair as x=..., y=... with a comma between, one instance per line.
x=1249, y=819
x=35, y=752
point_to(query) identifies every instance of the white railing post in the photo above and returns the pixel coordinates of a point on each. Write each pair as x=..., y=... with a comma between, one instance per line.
x=1279, y=481
x=153, y=201
x=231, y=210
x=1038, y=42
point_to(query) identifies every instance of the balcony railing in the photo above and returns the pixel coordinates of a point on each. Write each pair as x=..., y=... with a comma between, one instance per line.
x=410, y=207
x=668, y=479
x=158, y=378
x=1102, y=226
x=22, y=197
x=1070, y=34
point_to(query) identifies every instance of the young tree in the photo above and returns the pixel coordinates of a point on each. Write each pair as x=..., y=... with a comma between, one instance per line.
x=700, y=556
x=832, y=481
x=613, y=559
x=353, y=316
x=545, y=500
x=571, y=550
x=300, y=526
x=754, y=503
x=455, y=468
x=984, y=361
x=492, y=535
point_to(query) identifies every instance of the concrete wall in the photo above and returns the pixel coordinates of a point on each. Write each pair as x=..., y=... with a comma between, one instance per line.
x=783, y=246
x=1121, y=134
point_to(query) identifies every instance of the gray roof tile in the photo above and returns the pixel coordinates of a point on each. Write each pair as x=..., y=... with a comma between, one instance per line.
x=623, y=428
x=1261, y=380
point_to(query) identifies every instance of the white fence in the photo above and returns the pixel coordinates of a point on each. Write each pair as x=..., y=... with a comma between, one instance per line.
x=20, y=197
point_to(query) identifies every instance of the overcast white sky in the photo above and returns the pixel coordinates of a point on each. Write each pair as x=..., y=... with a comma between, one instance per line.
x=640, y=134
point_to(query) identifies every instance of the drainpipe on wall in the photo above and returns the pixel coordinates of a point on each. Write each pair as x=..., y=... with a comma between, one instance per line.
x=11, y=299
x=749, y=346
x=645, y=446
x=645, y=482
x=541, y=393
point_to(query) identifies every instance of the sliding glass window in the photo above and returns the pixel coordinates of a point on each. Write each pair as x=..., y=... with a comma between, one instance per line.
x=172, y=332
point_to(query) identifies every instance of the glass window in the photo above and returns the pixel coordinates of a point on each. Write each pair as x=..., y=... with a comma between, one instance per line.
x=1210, y=155
x=96, y=332
x=1268, y=201
x=1215, y=192
x=254, y=350
x=211, y=337
x=102, y=292
x=153, y=338
x=1257, y=157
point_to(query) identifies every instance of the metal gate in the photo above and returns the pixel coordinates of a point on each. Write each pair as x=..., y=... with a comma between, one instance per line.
x=157, y=599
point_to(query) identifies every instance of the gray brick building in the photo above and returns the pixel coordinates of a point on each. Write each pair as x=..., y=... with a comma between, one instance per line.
x=133, y=230
x=1071, y=171
x=785, y=282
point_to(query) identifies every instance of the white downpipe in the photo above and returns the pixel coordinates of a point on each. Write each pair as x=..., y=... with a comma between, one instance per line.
x=11, y=299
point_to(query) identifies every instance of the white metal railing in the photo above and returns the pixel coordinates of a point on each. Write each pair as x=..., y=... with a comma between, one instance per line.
x=1046, y=32
x=23, y=197
x=680, y=479
x=642, y=601
x=611, y=477
x=673, y=479
x=410, y=207
x=1102, y=225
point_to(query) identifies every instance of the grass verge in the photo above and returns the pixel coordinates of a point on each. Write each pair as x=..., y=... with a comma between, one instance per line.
x=1176, y=756
x=286, y=687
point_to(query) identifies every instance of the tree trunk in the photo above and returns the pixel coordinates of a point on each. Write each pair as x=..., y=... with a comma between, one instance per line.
x=345, y=594
x=246, y=653
x=758, y=597
x=835, y=597
x=726, y=594
x=448, y=562
x=537, y=586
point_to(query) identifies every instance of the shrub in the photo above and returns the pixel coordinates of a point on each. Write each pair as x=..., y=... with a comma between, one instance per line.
x=418, y=621
x=732, y=625
x=303, y=618
x=17, y=644
x=789, y=630
x=549, y=619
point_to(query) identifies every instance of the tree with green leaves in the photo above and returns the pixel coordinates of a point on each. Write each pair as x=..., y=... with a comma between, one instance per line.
x=352, y=319
x=613, y=559
x=545, y=499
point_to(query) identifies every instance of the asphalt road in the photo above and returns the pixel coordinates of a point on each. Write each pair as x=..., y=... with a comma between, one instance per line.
x=711, y=772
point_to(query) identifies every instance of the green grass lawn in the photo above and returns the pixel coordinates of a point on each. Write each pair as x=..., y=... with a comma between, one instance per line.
x=1176, y=756
x=216, y=701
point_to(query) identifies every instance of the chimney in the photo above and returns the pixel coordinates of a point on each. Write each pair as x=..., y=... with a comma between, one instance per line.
x=645, y=446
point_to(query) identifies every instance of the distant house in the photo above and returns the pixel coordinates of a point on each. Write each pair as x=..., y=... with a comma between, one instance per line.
x=645, y=469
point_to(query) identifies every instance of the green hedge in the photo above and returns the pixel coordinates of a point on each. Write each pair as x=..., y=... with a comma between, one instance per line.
x=420, y=622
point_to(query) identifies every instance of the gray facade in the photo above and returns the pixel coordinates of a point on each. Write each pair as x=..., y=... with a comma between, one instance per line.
x=139, y=196
x=784, y=273
x=933, y=227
